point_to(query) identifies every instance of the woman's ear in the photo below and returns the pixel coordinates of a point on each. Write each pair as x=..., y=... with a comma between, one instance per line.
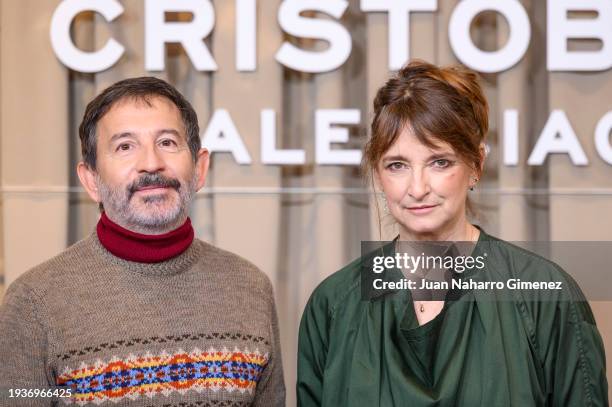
x=483, y=150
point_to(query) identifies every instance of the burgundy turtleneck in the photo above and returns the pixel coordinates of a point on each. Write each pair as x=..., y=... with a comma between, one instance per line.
x=143, y=248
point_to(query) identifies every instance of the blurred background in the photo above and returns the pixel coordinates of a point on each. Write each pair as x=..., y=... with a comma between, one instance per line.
x=299, y=223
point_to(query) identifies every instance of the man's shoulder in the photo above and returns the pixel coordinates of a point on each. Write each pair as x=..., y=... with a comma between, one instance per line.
x=55, y=271
x=233, y=265
x=59, y=264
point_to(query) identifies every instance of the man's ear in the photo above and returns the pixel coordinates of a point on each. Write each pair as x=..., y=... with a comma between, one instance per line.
x=202, y=164
x=87, y=176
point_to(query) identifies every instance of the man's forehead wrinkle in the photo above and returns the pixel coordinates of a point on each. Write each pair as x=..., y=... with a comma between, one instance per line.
x=155, y=133
x=103, y=122
x=168, y=131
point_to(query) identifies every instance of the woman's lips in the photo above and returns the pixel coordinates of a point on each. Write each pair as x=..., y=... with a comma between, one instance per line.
x=421, y=209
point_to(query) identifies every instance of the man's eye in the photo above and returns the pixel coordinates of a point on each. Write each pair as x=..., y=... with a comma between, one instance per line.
x=167, y=143
x=123, y=147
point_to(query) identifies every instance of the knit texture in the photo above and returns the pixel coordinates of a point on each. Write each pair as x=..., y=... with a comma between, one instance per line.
x=199, y=329
x=140, y=247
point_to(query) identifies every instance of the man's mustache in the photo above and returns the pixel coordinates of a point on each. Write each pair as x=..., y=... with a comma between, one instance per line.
x=154, y=179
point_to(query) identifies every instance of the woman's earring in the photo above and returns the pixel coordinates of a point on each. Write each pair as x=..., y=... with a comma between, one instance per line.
x=474, y=180
x=385, y=205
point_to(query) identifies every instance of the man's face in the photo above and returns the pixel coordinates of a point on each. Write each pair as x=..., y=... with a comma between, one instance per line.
x=145, y=176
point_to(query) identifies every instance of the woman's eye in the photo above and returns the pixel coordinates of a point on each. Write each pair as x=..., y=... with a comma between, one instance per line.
x=442, y=163
x=396, y=165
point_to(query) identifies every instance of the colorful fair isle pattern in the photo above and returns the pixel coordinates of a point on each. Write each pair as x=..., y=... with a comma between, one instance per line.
x=164, y=374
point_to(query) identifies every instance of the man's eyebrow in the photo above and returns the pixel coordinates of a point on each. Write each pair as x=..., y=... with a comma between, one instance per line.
x=158, y=133
x=121, y=135
x=166, y=131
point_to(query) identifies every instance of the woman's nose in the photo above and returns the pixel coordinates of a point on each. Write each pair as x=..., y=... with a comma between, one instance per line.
x=418, y=186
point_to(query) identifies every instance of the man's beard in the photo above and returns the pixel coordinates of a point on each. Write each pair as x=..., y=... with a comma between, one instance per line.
x=152, y=214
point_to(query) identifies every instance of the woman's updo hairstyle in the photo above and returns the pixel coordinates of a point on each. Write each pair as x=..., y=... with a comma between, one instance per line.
x=437, y=104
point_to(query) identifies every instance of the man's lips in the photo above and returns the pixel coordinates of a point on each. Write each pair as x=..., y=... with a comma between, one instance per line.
x=152, y=187
x=151, y=184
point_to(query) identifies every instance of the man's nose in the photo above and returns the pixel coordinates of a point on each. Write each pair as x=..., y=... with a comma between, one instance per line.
x=150, y=159
x=418, y=186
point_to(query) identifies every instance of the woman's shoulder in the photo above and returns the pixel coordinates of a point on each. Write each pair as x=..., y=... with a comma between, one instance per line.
x=343, y=288
x=338, y=286
x=535, y=278
x=517, y=261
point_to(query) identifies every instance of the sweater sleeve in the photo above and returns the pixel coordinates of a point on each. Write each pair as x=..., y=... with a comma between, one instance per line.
x=23, y=344
x=271, y=387
x=312, y=352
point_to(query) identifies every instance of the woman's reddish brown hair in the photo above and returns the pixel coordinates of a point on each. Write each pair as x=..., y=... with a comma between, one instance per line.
x=443, y=104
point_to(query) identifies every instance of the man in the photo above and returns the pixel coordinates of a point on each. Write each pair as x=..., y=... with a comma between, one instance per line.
x=140, y=312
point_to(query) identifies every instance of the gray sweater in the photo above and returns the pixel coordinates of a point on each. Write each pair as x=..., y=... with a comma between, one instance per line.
x=196, y=330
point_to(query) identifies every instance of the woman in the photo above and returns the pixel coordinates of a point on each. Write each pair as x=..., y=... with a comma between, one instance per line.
x=369, y=348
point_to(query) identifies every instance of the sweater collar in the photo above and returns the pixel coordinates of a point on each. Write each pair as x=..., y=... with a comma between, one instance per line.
x=138, y=247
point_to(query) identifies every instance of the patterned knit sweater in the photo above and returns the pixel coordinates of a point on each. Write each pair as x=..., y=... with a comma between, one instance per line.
x=199, y=329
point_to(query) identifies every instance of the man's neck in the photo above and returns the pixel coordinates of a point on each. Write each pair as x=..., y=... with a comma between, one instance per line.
x=147, y=229
x=141, y=247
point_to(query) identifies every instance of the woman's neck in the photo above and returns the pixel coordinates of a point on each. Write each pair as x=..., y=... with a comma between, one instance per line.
x=462, y=231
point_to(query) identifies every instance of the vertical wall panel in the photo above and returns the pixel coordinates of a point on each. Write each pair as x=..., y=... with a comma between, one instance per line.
x=34, y=148
x=513, y=212
x=2, y=286
x=245, y=224
x=82, y=211
x=377, y=74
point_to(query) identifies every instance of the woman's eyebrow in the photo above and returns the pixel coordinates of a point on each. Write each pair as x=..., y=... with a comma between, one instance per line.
x=434, y=156
x=437, y=156
x=395, y=158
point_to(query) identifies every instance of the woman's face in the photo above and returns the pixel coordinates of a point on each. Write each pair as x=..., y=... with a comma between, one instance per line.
x=426, y=188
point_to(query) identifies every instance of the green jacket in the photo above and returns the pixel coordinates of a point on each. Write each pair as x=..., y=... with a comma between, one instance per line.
x=543, y=350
